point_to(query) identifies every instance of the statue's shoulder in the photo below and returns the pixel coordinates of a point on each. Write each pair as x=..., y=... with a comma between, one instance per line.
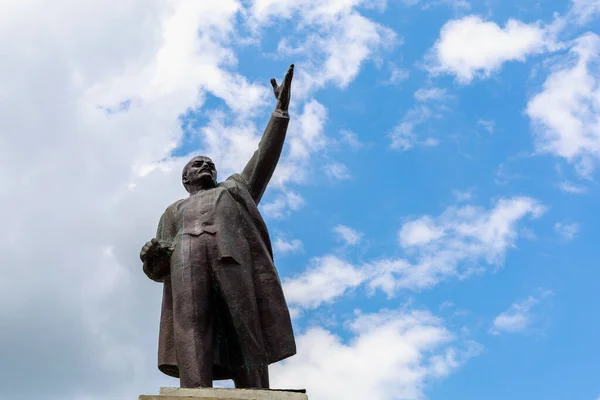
x=235, y=181
x=238, y=187
x=173, y=207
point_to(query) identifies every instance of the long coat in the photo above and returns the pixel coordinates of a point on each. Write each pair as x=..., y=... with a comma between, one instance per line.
x=251, y=290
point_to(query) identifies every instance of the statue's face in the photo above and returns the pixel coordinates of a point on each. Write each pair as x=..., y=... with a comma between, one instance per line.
x=200, y=171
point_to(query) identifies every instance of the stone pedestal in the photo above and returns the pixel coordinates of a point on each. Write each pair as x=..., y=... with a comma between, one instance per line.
x=226, y=394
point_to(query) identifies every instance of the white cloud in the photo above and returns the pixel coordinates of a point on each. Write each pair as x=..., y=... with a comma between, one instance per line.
x=97, y=174
x=429, y=94
x=305, y=137
x=326, y=279
x=229, y=145
x=403, y=136
x=504, y=172
x=427, y=4
x=457, y=244
x=457, y=4
x=565, y=113
x=397, y=74
x=568, y=231
x=519, y=317
x=431, y=104
x=513, y=320
x=282, y=205
x=285, y=247
x=487, y=125
x=339, y=39
x=419, y=232
x=337, y=171
x=462, y=195
x=584, y=10
x=391, y=355
x=310, y=135
x=472, y=48
x=570, y=187
x=351, y=139
x=348, y=235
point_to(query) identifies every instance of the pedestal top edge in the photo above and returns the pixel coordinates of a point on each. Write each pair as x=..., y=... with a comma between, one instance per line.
x=167, y=389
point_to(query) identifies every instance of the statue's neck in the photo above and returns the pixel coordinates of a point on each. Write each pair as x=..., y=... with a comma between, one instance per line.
x=199, y=189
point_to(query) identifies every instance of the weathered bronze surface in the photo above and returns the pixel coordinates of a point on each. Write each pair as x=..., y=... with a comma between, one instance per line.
x=224, y=315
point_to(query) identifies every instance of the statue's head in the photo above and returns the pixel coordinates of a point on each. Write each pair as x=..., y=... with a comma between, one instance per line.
x=199, y=172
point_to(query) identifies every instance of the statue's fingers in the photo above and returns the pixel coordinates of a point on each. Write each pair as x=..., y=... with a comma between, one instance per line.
x=290, y=74
x=165, y=243
x=154, y=241
x=276, y=88
x=287, y=83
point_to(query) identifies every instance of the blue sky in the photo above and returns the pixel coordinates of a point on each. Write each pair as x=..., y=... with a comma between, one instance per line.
x=433, y=214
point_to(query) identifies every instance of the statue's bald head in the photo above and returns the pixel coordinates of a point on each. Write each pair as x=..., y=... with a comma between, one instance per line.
x=199, y=173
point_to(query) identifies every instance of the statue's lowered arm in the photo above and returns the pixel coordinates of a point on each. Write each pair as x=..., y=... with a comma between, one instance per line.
x=260, y=168
x=156, y=254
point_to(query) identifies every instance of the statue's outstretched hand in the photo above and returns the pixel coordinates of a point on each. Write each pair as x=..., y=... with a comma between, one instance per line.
x=283, y=92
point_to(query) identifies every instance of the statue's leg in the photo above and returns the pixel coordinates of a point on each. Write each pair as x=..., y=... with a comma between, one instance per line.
x=247, y=349
x=193, y=315
x=255, y=376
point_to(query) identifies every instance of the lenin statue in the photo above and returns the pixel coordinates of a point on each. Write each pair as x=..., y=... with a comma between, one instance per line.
x=224, y=315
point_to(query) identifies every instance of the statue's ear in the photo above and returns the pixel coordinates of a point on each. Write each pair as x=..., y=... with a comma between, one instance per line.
x=186, y=185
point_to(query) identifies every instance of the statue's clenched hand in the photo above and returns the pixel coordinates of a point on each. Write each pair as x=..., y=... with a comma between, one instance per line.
x=153, y=249
x=283, y=92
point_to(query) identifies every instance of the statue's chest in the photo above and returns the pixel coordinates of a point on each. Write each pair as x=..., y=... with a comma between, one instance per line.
x=203, y=203
x=206, y=211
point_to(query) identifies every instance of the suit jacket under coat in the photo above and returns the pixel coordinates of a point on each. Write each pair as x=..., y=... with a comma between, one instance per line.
x=243, y=236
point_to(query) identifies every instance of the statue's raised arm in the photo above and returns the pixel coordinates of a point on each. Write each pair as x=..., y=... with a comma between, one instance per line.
x=260, y=168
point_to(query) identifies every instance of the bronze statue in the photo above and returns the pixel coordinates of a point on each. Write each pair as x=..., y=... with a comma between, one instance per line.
x=224, y=315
